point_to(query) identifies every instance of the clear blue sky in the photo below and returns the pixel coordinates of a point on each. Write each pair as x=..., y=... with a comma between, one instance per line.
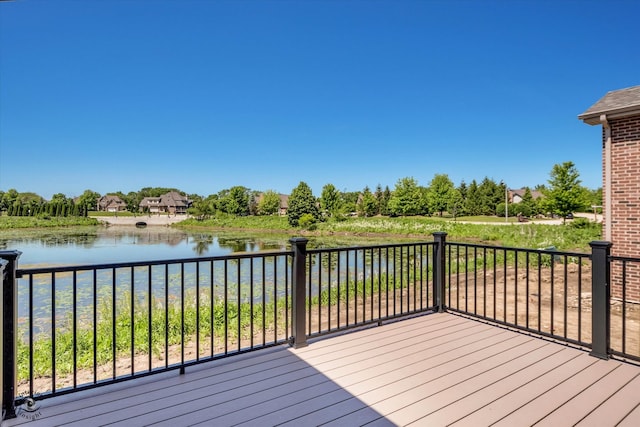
x=204, y=95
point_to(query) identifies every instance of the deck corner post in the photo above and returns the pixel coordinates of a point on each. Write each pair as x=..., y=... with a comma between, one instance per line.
x=439, y=264
x=8, y=307
x=600, y=296
x=298, y=291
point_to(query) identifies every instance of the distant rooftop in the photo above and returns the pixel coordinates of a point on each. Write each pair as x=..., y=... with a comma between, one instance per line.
x=615, y=104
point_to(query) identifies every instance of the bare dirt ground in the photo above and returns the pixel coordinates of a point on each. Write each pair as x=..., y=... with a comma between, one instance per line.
x=555, y=304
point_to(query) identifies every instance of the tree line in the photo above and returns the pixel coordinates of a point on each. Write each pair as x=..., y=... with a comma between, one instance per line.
x=564, y=194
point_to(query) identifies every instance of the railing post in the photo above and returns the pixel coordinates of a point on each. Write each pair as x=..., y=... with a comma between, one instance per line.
x=600, y=294
x=299, y=289
x=7, y=342
x=439, y=264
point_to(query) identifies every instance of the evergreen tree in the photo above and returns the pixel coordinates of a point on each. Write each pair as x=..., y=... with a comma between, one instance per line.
x=472, y=201
x=302, y=202
x=367, y=204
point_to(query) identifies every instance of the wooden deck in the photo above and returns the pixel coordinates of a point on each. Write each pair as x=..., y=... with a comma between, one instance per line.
x=437, y=369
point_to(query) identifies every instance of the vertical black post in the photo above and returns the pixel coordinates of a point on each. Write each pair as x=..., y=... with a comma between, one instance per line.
x=439, y=265
x=600, y=294
x=299, y=289
x=8, y=350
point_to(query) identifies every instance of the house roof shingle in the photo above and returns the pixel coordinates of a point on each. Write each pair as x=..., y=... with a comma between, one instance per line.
x=615, y=104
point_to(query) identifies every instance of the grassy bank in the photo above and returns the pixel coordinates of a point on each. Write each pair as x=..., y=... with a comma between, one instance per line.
x=573, y=236
x=16, y=222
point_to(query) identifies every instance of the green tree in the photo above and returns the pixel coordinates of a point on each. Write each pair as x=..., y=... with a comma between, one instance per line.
x=349, y=200
x=234, y=201
x=383, y=201
x=302, y=202
x=201, y=209
x=408, y=198
x=441, y=191
x=88, y=201
x=472, y=200
x=269, y=203
x=330, y=200
x=455, y=205
x=367, y=204
x=565, y=194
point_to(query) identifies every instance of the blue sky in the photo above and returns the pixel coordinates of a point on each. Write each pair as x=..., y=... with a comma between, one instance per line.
x=204, y=95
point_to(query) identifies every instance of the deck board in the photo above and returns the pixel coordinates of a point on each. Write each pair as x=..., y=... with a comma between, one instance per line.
x=437, y=369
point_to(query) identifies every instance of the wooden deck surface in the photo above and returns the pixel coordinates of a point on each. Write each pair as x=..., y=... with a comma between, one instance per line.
x=433, y=370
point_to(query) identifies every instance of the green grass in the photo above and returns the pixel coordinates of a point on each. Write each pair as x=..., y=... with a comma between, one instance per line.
x=275, y=223
x=64, y=346
x=563, y=237
x=14, y=222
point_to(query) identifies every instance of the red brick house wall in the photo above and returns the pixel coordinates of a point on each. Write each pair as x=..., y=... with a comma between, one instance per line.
x=625, y=206
x=618, y=112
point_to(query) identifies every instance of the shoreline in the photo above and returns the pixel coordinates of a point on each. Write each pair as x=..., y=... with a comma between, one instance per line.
x=150, y=220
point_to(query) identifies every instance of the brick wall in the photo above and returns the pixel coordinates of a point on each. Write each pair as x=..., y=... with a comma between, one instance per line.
x=625, y=209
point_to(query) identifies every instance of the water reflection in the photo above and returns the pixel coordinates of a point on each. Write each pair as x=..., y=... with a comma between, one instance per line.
x=123, y=244
x=98, y=245
x=202, y=242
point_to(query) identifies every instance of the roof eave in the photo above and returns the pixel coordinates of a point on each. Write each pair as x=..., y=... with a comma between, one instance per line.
x=593, y=118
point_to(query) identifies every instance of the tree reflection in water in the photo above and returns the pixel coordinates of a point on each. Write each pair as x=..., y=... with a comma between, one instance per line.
x=202, y=243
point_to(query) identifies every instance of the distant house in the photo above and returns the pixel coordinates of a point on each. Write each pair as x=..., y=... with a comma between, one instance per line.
x=284, y=203
x=516, y=196
x=111, y=203
x=171, y=202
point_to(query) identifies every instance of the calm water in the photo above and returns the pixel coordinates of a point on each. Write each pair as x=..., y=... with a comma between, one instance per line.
x=97, y=245
x=124, y=244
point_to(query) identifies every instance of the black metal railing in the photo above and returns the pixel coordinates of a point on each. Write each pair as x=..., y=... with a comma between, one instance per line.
x=625, y=307
x=540, y=291
x=356, y=286
x=83, y=326
x=71, y=328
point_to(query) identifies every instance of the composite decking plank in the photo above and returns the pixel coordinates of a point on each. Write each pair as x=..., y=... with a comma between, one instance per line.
x=428, y=322
x=242, y=410
x=447, y=375
x=544, y=404
x=400, y=336
x=481, y=392
x=343, y=412
x=594, y=396
x=403, y=376
x=621, y=404
x=191, y=399
x=223, y=401
x=338, y=402
x=162, y=395
x=505, y=403
x=407, y=357
x=426, y=410
x=633, y=418
x=123, y=395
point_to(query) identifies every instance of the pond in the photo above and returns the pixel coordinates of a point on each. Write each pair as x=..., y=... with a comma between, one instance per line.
x=98, y=245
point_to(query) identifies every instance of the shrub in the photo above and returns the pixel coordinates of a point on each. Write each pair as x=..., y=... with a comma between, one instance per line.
x=307, y=221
